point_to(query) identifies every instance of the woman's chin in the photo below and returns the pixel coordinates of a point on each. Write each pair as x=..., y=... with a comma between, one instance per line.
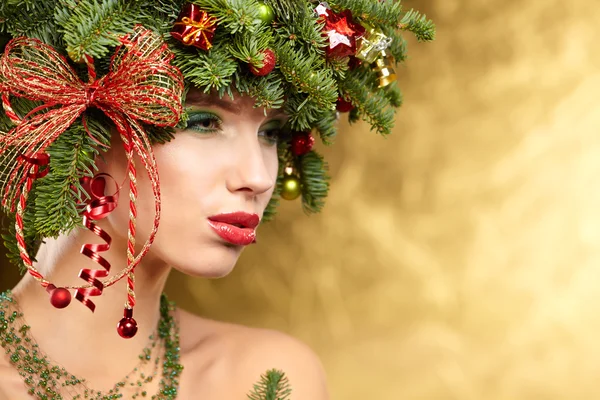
x=211, y=264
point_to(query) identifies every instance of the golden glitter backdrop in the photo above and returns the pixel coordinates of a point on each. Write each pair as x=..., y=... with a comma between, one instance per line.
x=459, y=258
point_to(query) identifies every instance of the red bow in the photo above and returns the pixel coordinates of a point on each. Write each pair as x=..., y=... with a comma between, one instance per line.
x=140, y=87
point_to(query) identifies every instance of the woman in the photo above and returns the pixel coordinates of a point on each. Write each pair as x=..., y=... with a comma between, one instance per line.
x=227, y=161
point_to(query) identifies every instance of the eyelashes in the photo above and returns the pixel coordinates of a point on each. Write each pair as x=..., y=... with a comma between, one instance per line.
x=206, y=122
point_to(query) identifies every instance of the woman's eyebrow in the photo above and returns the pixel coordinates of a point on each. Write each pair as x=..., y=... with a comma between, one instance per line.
x=216, y=102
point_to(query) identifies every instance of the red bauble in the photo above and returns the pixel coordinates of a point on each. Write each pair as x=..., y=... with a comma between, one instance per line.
x=343, y=105
x=195, y=27
x=302, y=143
x=127, y=328
x=60, y=297
x=269, y=62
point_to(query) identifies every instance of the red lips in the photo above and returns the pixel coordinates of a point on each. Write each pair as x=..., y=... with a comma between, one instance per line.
x=237, y=228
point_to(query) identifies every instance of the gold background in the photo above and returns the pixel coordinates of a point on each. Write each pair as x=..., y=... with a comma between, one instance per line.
x=459, y=258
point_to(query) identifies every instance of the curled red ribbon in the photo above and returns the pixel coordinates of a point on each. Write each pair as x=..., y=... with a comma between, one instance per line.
x=99, y=207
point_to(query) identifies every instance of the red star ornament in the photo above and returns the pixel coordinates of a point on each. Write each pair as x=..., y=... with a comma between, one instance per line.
x=342, y=32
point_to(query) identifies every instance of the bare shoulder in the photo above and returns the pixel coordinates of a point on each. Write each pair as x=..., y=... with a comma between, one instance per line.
x=244, y=354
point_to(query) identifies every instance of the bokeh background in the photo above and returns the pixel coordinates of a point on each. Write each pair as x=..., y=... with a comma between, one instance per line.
x=460, y=257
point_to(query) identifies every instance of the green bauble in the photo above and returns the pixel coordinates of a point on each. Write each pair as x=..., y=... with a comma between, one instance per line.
x=292, y=188
x=266, y=13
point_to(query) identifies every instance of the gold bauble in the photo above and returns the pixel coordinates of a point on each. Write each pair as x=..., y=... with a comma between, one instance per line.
x=292, y=188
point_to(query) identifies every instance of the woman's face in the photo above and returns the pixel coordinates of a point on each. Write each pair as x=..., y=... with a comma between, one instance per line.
x=225, y=162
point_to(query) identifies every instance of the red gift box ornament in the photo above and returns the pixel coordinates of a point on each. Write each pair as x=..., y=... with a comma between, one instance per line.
x=195, y=27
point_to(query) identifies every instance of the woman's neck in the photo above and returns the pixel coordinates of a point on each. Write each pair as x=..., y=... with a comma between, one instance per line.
x=83, y=342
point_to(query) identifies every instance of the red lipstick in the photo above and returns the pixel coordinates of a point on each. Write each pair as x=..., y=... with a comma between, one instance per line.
x=237, y=228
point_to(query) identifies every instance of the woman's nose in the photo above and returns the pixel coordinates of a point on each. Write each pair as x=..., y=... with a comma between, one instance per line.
x=254, y=169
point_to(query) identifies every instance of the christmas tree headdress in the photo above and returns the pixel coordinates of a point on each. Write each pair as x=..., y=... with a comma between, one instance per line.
x=74, y=70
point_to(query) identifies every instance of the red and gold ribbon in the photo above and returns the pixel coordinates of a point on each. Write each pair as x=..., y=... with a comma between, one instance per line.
x=140, y=87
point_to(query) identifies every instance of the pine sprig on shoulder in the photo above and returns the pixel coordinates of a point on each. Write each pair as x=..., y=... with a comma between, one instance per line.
x=273, y=385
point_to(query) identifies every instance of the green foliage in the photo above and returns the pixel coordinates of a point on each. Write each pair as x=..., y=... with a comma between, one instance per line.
x=423, y=28
x=72, y=156
x=370, y=105
x=315, y=182
x=305, y=83
x=93, y=27
x=273, y=385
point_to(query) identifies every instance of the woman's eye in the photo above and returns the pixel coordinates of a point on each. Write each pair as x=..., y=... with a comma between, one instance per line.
x=271, y=136
x=203, y=122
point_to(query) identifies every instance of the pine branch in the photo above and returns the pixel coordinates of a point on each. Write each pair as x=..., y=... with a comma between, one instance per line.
x=315, y=182
x=273, y=385
x=30, y=18
x=378, y=13
x=271, y=210
x=326, y=126
x=423, y=28
x=233, y=15
x=268, y=91
x=210, y=70
x=93, y=27
x=72, y=156
x=371, y=105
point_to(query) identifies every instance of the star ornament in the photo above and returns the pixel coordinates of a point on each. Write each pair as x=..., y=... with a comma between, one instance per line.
x=343, y=33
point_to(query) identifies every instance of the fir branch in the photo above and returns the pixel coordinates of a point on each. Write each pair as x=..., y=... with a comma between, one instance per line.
x=210, y=70
x=268, y=91
x=93, y=27
x=287, y=10
x=30, y=18
x=273, y=385
x=326, y=126
x=271, y=210
x=307, y=75
x=423, y=28
x=249, y=48
x=72, y=156
x=393, y=94
x=398, y=46
x=32, y=241
x=371, y=105
x=315, y=181
x=379, y=13
x=233, y=15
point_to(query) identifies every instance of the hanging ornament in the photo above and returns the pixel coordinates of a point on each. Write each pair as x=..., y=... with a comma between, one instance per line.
x=344, y=105
x=302, y=143
x=269, y=61
x=265, y=13
x=291, y=185
x=195, y=27
x=341, y=30
x=384, y=66
x=59, y=297
x=372, y=44
x=127, y=326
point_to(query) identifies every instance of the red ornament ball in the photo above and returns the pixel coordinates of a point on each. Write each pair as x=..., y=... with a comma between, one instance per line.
x=127, y=328
x=60, y=298
x=269, y=61
x=302, y=143
x=343, y=105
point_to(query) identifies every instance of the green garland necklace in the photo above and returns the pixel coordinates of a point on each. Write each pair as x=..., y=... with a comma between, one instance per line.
x=49, y=382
